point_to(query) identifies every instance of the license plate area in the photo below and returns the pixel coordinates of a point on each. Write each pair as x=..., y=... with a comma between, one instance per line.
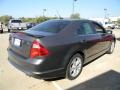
x=17, y=42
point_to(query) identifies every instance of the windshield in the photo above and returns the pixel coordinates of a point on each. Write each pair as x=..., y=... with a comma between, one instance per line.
x=16, y=21
x=52, y=26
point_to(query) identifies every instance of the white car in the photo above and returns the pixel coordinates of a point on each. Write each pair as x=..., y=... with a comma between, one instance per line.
x=16, y=24
x=109, y=25
x=1, y=27
x=117, y=26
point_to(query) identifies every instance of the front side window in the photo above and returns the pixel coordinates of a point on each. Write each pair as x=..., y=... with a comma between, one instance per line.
x=87, y=28
x=98, y=28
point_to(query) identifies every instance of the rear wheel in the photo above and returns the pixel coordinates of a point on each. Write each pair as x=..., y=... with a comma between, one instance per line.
x=1, y=31
x=109, y=27
x=74, y=67
x=9, y=30
x=111, y=49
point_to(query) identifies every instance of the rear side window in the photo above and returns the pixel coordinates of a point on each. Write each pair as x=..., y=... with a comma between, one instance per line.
x=85, y=28
x=52, y=26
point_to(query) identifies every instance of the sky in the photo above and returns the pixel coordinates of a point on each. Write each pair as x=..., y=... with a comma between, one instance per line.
x=34, y=8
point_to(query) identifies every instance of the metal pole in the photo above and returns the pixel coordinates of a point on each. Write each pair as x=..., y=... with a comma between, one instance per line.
x=44, y=10
x=43, y=13
x=73, y=7
x=105, y=13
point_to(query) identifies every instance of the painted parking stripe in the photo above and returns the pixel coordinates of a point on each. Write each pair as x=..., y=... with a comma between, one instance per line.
x=57, y=86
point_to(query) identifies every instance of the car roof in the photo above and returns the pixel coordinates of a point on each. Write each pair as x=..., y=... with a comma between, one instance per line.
x=71, y=20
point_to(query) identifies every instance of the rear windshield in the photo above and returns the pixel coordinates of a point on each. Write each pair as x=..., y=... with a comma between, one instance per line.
x=52, y=26
x=16, y=21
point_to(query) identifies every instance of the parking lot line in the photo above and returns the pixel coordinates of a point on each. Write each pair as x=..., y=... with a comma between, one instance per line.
x=57, y=86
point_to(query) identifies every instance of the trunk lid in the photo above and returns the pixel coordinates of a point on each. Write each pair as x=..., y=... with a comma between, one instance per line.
x=21, y=42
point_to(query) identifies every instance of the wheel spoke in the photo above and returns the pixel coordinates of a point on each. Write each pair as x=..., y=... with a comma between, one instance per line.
x=74, y=72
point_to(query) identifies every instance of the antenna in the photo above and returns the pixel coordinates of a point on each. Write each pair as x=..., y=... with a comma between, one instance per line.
x=59, y=15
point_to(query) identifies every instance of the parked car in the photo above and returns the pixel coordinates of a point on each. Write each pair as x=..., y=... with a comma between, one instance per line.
x=16, y=24
x=59, y=48
x=30, y=25
x=117, y=26
x=109, y=25
x=1, y=27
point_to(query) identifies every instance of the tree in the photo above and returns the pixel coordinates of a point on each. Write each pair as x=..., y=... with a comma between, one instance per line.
x=41, y=19
x=5, y=18
x=118, y=21
x=28, y=19
x=75, y=16
x=38, y=19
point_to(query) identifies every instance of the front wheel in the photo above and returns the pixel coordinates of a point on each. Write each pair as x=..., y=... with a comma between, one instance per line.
x=74, y=67
x=111, y=49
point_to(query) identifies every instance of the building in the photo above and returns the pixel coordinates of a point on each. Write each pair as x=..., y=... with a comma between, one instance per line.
x=110, y=19
x=114, y=19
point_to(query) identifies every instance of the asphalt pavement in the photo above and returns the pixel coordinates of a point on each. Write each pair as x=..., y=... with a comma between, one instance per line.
x=101, y=74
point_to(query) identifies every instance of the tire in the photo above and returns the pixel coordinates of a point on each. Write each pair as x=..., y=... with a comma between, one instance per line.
x=111, y=48
x=74, y=67
x=1, y=31
x=109, y=27
x=112, y=27
x=9, y=30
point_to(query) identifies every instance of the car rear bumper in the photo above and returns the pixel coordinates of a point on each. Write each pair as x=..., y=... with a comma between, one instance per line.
x=33, y=67
x=18, y=28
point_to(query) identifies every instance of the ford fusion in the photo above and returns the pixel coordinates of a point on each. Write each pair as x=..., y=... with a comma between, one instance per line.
x=59, y=48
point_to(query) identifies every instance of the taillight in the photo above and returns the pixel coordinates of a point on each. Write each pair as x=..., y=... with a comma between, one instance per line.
x=38, y=49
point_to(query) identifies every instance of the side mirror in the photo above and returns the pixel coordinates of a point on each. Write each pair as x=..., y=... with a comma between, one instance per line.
x=109, y=32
